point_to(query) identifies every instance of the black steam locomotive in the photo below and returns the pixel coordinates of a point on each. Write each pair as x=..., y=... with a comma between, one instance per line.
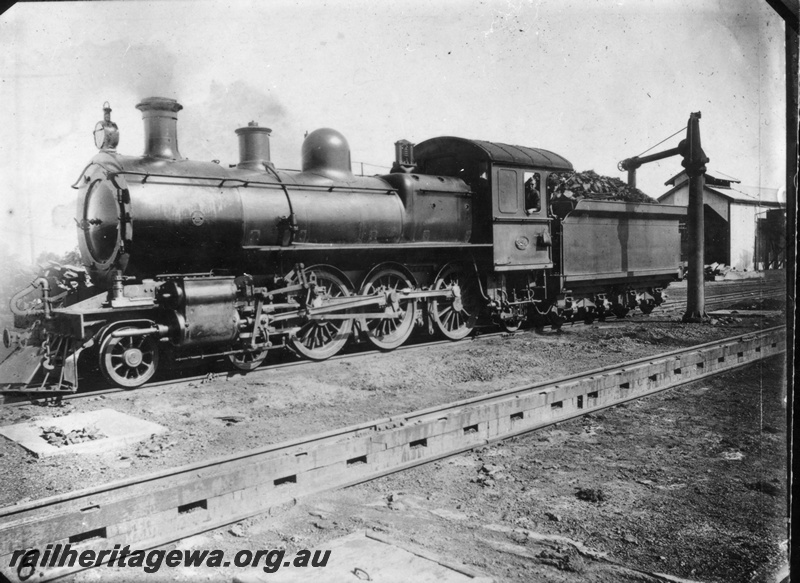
x=198, y=260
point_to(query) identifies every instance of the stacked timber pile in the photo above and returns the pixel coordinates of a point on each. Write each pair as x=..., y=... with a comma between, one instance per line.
x=576, y=186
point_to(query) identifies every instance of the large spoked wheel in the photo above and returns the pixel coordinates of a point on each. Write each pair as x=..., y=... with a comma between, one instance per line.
x=455, y=318
x=389, y=333
x=129, y=361
x=322, y=338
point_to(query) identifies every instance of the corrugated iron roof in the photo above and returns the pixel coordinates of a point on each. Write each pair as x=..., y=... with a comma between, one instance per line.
x=713, y=174
x=495, y=152
x=755, y=194
x=773, y=197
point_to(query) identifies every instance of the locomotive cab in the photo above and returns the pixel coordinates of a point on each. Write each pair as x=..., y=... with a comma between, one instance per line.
x=520, y=225
x=507, y=184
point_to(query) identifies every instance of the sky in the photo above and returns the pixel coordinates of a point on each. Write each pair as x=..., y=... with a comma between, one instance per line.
x=594, y=80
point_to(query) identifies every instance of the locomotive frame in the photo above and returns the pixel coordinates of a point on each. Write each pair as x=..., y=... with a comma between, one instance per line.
x=202, y=261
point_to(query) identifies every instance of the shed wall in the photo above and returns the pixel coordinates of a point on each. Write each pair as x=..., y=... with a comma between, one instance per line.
x=743, y=235
x=681, y=198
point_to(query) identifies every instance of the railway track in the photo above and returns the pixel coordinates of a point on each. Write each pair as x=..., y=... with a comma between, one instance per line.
x=670, y=306
x=677, y=298
x=159, y=508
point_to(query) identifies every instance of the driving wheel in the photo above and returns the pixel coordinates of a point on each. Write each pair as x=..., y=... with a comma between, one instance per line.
x=389, y=333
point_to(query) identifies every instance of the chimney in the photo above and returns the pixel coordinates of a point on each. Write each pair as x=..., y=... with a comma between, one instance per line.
x=160, y=116
x=253, y=147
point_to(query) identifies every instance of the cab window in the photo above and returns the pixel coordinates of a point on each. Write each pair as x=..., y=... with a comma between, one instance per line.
x=508, y=201
x=532, y=182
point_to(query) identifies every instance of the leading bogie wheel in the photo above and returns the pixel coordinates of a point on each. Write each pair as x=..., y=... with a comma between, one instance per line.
x=129, y=361
x=322, y=338
x=389, y=333
x=247, y=361
x=454, y=318
x=250, y=359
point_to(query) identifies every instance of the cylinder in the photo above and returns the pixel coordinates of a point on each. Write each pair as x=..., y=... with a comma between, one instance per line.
x=209, y=315
x=160, y=115
x=253, y=147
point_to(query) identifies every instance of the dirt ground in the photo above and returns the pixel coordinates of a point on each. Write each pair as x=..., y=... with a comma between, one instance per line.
x=689, y=482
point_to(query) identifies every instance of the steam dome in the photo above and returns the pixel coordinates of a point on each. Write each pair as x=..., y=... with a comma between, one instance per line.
x=326, y=152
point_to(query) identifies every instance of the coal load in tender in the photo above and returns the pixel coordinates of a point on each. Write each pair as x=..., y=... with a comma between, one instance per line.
x=576, y=186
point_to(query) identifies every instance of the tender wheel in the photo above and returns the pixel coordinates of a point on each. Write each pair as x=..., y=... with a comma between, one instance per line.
x=129, y=361
x=389, y=333
x=647, y=307
x=647, y=301
x=622, y=303
x=619, y=311
x=321, y=339
x=619, y=305
x=455, y=319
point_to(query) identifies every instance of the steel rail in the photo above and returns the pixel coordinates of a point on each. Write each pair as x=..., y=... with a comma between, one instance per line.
x=723, y=298
x=159, y=508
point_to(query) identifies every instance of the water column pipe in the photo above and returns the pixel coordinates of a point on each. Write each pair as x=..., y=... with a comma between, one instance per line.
x=694, y=160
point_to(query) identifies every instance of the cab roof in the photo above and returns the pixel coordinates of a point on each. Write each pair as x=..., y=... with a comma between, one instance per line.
x=493, y=152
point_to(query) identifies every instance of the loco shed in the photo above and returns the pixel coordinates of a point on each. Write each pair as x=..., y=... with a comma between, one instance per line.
x=198, y=260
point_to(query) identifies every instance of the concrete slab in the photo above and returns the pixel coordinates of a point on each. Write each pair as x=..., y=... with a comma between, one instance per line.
x=370, y=557
x=119, y=429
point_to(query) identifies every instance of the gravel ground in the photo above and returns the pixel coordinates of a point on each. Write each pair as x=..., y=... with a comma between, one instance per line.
x=689, y=483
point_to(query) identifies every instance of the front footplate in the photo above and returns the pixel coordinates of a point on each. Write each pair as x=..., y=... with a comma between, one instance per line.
x=41, y=369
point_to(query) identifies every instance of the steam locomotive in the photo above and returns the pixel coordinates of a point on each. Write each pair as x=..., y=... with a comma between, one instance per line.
x=194, y=260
